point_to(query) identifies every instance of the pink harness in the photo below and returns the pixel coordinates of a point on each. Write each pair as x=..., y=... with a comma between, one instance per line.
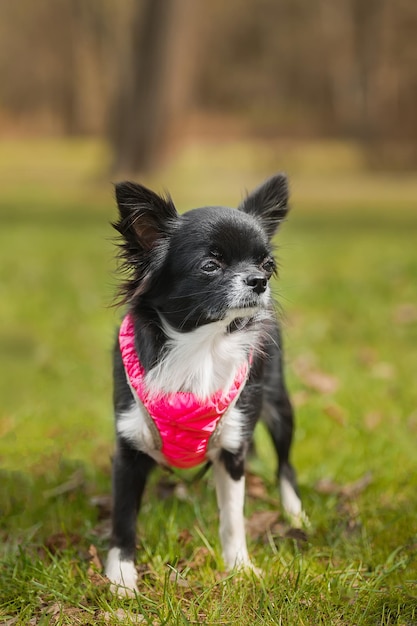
x=185, y=423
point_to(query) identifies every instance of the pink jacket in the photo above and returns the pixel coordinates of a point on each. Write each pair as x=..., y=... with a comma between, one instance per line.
x=184, y=422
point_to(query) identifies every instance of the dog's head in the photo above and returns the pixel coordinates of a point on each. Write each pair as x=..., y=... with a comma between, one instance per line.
x=209, y=264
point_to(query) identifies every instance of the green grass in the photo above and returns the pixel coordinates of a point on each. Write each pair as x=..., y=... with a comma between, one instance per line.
x=348, y=289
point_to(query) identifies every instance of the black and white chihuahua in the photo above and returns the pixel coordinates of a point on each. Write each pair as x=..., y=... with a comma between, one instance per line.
x=199, y=357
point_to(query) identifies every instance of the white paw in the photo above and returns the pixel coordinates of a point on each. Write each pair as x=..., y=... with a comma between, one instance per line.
x=246, y=567
x=250, y=568
x=298, y=520
x=122, y=574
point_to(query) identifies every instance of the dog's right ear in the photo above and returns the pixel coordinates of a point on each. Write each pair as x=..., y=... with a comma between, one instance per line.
x=145, y=217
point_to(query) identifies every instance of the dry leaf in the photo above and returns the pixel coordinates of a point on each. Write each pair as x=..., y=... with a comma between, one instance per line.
x=383, y=371
x=320, y=381
x=59, y=542
x=367, y=355
x=97, y=579
x=336, y=413
x=352, y=490
x=54, y=609
x=314, y=378
x=260, y=523
x=255, y=487
x=373, y=420
x=297, y=534
x=327, y=486
x=94, y=558
x=184, y=537
x=405, y=313
x=300, y=398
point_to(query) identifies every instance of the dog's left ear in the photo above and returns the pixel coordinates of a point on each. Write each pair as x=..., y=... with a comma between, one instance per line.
x=268, y=203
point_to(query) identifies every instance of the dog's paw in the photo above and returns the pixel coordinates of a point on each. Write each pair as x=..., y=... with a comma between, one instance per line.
x=298, y=520
x=122, y=575
x=250, y=568
x=241, y=563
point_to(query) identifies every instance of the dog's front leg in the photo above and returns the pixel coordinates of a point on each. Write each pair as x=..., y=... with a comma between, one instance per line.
x=229, y=479
x=130, y=471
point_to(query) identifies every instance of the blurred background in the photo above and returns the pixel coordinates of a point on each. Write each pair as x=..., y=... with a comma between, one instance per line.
x=206, y=99
x=147, y=76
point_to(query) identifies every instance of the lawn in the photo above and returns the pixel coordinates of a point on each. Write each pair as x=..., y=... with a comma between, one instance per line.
x=348, y=300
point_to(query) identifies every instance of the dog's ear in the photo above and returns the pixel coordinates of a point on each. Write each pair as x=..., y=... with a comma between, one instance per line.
x=268, y=203
x=145, y=223
x=145, y=217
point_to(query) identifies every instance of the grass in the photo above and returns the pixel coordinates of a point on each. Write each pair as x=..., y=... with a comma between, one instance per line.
x=348, y=289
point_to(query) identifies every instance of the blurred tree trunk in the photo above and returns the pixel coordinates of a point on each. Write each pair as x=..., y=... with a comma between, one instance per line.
x=367, y=39
x=153, y=82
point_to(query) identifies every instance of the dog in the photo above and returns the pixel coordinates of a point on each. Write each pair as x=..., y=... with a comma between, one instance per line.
x=198, y=358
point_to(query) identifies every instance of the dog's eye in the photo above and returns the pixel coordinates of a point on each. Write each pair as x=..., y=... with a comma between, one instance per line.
x=211, y=266
x=268, y=266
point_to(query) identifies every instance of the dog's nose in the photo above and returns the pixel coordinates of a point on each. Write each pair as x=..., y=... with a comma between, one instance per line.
x=258, y=282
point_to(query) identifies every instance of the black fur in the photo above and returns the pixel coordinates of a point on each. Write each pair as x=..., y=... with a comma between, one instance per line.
x=182, y=269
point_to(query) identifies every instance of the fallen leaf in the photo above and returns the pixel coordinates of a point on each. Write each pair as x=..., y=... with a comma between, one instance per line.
x=300, y=398
x=54, y=609
x=405, y=313
x=352, y=490
x=372, y=420
x=94, y=558
x=184, y=537
x=95, y=568
x=256, y=488
x=313, y=377
x=297, y=534
x=383, y=371
x=327, y=486
x=260, y=522
x=320, y=381
x=97, y=579
x=336, y=413
x=367, y=355
x=59, y=542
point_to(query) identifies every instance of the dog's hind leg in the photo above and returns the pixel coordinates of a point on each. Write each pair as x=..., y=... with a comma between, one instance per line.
x=130, y=471
x=279, y=419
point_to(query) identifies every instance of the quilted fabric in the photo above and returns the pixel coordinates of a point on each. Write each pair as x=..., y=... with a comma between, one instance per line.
x=184, y=422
